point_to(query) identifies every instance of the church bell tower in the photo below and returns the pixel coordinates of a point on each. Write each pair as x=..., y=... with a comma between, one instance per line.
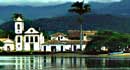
x=19, y=28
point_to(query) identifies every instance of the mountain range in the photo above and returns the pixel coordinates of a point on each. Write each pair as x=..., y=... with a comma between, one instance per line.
x=64, y=23
x=115, y=8
x=104, y=16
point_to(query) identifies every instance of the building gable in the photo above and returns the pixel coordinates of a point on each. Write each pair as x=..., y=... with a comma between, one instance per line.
x=31, y=31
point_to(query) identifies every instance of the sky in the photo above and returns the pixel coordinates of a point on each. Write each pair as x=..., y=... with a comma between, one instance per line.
x=47, y=2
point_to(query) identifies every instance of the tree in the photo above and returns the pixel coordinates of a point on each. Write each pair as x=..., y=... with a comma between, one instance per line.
x=16, y=15
x=80, y=8
x=1, y=43
x=114, y=41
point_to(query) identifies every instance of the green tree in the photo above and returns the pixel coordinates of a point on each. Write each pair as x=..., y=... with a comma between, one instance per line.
x=16, y=15
x=114, y=41
x=80, y=8
x=1, y=43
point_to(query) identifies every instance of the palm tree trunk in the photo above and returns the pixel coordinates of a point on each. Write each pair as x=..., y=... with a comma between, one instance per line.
x=81, y=31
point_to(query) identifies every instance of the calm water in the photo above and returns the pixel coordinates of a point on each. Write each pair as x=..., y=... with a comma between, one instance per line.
x=40, y=62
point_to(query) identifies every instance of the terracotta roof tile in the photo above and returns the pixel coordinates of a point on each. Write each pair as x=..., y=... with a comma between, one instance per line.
x=57, y=34
x=65, y=42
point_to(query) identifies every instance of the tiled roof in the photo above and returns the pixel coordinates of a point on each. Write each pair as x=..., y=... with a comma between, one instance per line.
x=65, y=42
x=73, y=34
x=76, y=33
x=9, y=41
x=57, y=34
x=3, y=39
x=6, y=40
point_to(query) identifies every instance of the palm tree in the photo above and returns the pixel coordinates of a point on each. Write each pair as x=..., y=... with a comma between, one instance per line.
x=16, y=15
x=80, y=8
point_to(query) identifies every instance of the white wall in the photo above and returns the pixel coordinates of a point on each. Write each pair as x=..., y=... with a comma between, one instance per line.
x=65, y=47
x=19, y=46
x=41, y=38
x=21, y=27
x=27, y=44
x=10, y=45
x=61, y=39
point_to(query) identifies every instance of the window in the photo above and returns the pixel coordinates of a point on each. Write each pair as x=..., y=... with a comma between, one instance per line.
x=18, y=40
x=31, y=39
x=18, y=26
x=27, y=39
x=31, y=30
x=18, y=46
x=36, y=39
x=61, y=37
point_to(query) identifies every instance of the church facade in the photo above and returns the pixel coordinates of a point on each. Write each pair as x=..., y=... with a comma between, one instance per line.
x=30, y=40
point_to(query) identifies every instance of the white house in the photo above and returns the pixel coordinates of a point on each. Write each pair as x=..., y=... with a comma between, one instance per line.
x=59, y=36
x=29, y=40
x=61, y=46
x=8, y=45
x=59, y=43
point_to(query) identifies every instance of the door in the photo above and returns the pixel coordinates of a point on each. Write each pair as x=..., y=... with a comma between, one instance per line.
x=53, y=49
x=44, y=48
x=74, y=48
x=31, y=47
x=8, y=48
x=61, y=48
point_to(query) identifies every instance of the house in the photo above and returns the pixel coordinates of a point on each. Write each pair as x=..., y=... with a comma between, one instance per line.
x=8, y=44
x=61, y=46
x=59, y=43
x=75, y=34
x=59, y=36
x=27, y=40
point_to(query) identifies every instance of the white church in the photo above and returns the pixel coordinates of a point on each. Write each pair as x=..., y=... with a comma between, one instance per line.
x=30, y=40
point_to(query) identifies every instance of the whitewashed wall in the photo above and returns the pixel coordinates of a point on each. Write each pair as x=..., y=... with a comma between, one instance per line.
x=27, y=44
x=65, y=47
x=61, y=39
x=19, y=45
x=10, y=45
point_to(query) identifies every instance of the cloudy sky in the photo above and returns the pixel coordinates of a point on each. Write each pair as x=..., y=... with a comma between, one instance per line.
x=46, y=2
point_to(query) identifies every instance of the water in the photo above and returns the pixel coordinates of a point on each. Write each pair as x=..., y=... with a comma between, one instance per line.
x=39, y=62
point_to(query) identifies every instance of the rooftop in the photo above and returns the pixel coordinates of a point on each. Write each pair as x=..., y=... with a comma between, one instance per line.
x=65, y=42
x=57, y=34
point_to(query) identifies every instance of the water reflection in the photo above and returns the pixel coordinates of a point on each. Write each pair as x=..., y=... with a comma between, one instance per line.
x=61, y=63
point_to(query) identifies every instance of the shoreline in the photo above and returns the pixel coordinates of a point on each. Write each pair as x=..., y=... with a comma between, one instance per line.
x=63, y=54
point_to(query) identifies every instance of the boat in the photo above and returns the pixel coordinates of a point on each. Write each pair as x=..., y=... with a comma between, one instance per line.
x=112, y=53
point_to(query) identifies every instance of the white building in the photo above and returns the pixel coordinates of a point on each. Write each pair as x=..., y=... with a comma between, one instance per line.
x=29, y=40
x=60, y=43
x=8, y=45
x=59, y=36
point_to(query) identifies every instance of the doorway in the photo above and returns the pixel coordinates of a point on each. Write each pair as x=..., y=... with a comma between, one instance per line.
x=31, y=47
x=61, y=48
x=8, y=48
x=74, y=48
x=53, y=49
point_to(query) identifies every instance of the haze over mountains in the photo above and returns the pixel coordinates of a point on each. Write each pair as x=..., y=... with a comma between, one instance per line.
x=115, y=8
x=104, y=16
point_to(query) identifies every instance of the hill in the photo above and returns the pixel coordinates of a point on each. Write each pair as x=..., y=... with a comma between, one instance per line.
x=116, y=8
x=64, y=23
